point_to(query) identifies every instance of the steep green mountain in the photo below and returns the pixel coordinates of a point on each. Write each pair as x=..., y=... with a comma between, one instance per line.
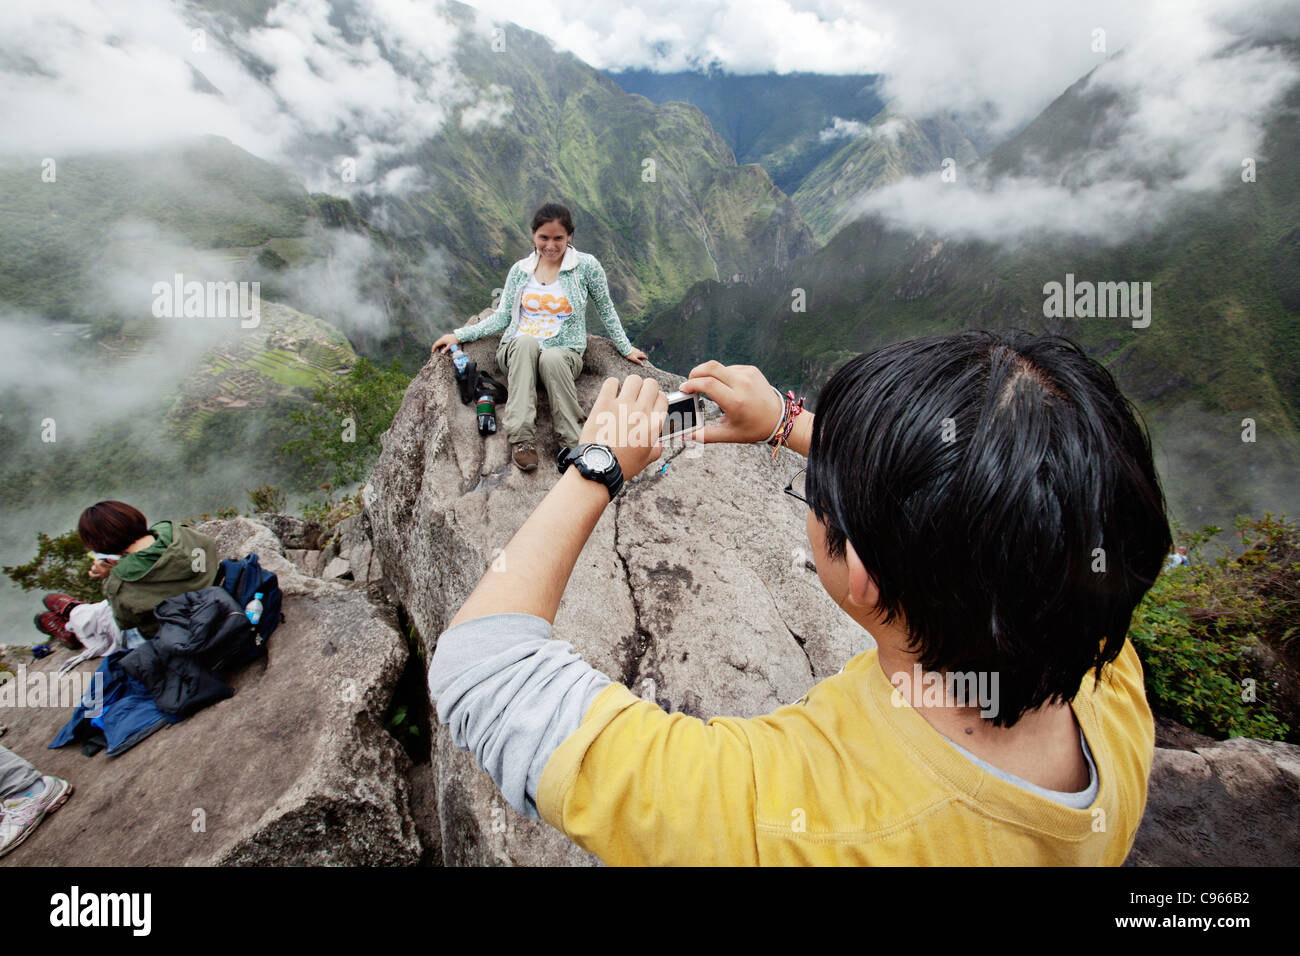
x=656, y=194
x=56, y=237
x=771, y=119
x=888, y=149
x=1223, y=345
x=825, y=140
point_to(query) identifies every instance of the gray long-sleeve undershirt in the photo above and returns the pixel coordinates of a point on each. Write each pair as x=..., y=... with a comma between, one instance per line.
x=511, y=695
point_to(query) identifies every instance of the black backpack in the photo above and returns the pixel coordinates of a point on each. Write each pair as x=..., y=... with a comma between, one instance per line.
x=243, y=579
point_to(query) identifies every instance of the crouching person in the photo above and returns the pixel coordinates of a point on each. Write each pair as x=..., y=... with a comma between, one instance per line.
x=958, y=490
x=142, y=565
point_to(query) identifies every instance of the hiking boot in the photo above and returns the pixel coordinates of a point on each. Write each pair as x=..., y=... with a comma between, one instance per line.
x=22, y=816
x=525, y=456
x=61, y=604
x=56, y=626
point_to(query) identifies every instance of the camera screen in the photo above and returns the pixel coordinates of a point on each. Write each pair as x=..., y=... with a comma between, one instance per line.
x=681, y=415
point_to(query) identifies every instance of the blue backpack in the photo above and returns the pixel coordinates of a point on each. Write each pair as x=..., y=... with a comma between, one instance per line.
x=243, y=579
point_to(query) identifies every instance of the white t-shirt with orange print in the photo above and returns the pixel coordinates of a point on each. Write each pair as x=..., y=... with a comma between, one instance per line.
x=543, y=309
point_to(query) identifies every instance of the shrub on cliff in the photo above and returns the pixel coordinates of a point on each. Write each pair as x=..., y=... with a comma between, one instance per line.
x=1199, y=630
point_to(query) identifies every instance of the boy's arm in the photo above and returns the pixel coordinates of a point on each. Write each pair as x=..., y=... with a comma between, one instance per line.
x=614, y=773
x=537, y=563
x=598, y=286
x=751, y=406
x=508, y=692
x=510, y=695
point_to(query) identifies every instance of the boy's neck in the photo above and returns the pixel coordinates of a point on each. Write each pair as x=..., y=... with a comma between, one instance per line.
x=1042, y=746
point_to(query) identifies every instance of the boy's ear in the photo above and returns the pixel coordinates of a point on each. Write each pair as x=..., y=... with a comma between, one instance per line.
x=862, y=587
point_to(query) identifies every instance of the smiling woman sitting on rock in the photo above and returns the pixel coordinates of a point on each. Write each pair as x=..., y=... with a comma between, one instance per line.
x=543, y=312
x=984, y=504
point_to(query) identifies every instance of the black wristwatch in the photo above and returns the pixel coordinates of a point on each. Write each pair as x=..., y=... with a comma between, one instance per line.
x=596, y=462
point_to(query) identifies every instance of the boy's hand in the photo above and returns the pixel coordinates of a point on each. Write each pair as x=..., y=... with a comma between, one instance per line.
x=750, y=407
x=629, y=421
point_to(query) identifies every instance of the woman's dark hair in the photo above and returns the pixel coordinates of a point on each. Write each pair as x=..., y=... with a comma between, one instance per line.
x=551, y=212
x=111, y=527
x=1001, y=493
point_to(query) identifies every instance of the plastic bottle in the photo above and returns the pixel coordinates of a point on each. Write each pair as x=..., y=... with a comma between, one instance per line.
x=487, y=415
x=466, y=374
x=459, y=358
x=254, y=609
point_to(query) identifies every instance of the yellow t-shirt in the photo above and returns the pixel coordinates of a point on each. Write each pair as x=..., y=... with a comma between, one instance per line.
x=842, y=777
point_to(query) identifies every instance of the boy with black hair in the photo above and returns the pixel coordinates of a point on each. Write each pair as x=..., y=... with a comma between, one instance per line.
x=985, y=504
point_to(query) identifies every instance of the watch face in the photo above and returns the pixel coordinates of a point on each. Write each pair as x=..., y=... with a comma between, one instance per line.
x=597, y=459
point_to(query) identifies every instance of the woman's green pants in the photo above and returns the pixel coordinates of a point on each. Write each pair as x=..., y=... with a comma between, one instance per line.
x=524, y=361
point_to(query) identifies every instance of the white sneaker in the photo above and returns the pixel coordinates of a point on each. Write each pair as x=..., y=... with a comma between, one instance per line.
x=22, y=816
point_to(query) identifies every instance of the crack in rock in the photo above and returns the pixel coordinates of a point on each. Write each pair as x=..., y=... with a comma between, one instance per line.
x=639, y=642
x=812, y=672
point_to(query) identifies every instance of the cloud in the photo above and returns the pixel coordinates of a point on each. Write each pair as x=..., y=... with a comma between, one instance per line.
x=936, y=55
x=1192, y=101
x=342, y=286
x=38, y=367
x=1003, y=63
x=344, y=95
x=740, y=36
x=305, y=89
x=841, y=128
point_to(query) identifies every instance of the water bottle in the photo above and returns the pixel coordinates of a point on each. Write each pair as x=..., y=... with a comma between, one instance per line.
x=459, y=358
x=487, y=415
x=254, y=609
x=466, y=374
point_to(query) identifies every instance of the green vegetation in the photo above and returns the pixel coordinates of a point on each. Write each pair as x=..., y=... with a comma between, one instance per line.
x=61, y=566
x=266, y=498
x=346, y=418
x=1217, y=637
x=329, y=511
x=574, y=137
x=860, y=164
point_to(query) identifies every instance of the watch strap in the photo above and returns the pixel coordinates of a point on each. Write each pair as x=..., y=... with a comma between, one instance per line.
x=612, y=479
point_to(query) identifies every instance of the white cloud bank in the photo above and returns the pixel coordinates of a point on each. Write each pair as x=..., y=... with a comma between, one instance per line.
x=1193, y=100
x=299, y=90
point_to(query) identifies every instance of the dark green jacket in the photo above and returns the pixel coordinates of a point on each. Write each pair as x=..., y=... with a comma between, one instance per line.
x=180, y=560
